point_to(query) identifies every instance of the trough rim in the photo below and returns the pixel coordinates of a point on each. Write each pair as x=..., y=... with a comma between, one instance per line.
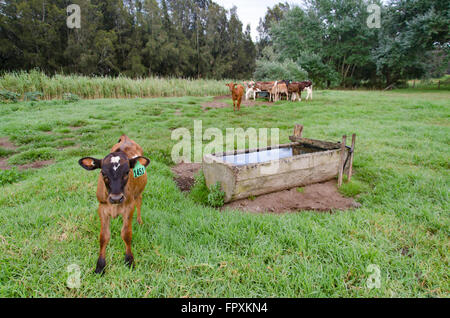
x=217, y=157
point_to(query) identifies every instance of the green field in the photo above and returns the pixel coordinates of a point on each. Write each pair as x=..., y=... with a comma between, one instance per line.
x=49, y=221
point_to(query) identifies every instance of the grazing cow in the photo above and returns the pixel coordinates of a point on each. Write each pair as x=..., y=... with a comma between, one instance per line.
x=277, y=89
x=237, y=91
x=282, y=88
x=264, y=86
x=273, y=92
x=119, y=192
x=251, y=90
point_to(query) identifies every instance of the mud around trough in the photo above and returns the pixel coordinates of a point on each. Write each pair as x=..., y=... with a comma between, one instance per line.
x=184, y=175
x=322, y=197
x=219, y=102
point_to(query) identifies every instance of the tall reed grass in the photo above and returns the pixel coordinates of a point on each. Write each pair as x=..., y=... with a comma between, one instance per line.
x=54, y=87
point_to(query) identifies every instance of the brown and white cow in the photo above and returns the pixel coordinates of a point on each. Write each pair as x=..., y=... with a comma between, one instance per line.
x=119, y=192
x=296, y=88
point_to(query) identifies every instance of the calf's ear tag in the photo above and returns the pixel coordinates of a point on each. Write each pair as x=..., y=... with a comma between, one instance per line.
x=138, y=170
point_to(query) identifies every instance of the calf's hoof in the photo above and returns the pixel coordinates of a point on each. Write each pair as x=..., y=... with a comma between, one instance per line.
x=140, y=221
x=129, y=260
x=101, y=264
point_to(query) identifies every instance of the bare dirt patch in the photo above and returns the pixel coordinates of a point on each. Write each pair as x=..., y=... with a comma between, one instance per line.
x=4, y=165
x=219, y=102
x=36, y=164
x=322, y=197
x=6, y=144
x=184, y=175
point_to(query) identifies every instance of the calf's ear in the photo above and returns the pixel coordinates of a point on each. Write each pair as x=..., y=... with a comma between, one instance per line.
x=142, y=160
x=90, y=164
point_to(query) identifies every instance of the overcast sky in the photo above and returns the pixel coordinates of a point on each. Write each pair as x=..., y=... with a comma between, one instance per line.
x=250, y=11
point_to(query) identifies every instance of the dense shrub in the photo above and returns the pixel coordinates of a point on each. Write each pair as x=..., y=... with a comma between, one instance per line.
x=272, y=67
x=200, y=193
x=33, y=96
x=10, y=176
x=216, y=197
x=7, y=96
x=71, y=98
x=274, y=70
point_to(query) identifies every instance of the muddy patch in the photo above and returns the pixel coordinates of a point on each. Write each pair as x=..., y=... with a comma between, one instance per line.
x=4, y=165
x=36, y=165
x=184, y=175
x=6, y=144
x=219, y=102
x=321, y=197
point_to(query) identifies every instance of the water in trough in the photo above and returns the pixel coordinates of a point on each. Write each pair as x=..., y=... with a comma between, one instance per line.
x=267, y=155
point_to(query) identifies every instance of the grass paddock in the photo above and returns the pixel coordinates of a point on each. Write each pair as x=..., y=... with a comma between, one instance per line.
x=49, y=219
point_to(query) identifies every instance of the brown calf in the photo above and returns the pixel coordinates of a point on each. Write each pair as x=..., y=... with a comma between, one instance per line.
x=119, y=192
x=237, y=91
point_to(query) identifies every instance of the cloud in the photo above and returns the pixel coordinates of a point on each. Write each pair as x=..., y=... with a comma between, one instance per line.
x=250, y=11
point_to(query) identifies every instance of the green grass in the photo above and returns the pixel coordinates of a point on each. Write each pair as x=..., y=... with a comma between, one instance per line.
x=442, y=83
x=49, y=219
x=71, y=87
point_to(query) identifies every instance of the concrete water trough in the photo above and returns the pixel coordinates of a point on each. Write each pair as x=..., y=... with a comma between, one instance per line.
x=253, y=172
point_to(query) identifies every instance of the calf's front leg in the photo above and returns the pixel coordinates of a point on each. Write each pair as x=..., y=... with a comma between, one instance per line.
x=138, y=208
x=127, y=233
x=105, y=236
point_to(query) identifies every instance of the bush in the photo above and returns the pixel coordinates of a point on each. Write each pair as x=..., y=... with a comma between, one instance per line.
x=33, y=96
x=71, y=98
x=10, y=176
x=216, y=197
x=7, y=96
x=320, y=73
x=274, y=70
x=200, y=193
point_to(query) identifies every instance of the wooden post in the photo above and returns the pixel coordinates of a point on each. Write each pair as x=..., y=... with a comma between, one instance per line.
x=341, y=162
x=350, y=169
x=298, y=131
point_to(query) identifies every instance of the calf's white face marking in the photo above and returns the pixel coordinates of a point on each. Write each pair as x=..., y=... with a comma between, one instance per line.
x=115, y=160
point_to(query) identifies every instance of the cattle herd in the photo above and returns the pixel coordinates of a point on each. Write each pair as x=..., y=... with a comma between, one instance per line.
x=275, y=90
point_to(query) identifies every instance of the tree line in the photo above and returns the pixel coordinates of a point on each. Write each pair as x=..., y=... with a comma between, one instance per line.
x=135, y=38
x=328, y=41
x=332, y=43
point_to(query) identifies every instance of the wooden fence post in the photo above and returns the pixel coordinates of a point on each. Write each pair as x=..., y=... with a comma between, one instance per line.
x=350, y=169
x=298, y=131
x=341, y=162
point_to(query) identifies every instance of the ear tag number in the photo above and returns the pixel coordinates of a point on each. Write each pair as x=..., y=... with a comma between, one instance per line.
x=139, y=170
